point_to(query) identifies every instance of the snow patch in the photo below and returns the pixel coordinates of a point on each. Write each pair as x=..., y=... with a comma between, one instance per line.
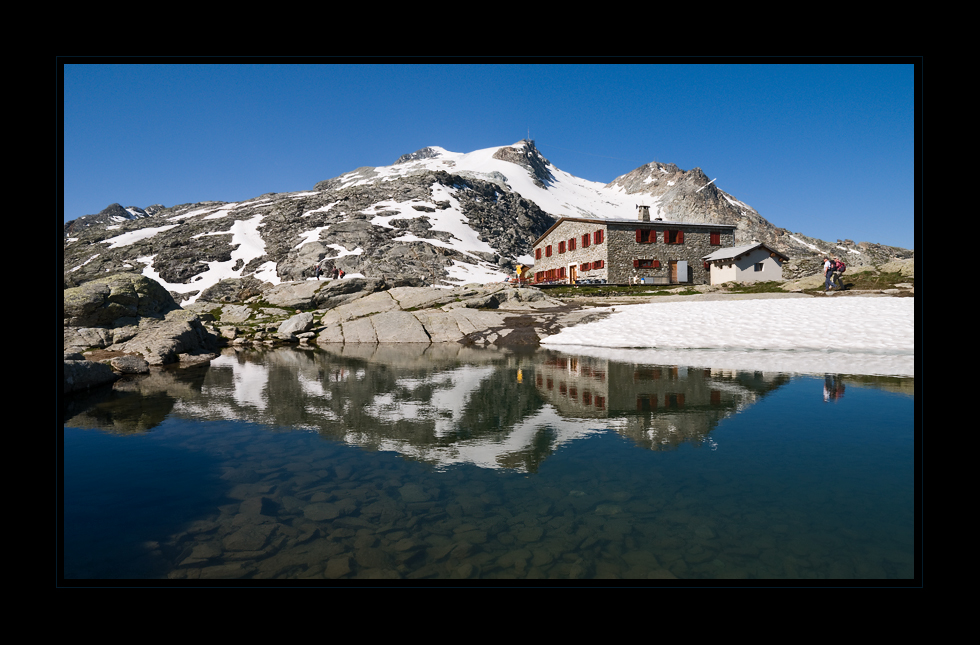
x=250, y=246
x=863, y=326
x=135, y=236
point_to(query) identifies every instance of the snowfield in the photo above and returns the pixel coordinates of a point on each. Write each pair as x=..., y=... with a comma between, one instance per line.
x=810, y=335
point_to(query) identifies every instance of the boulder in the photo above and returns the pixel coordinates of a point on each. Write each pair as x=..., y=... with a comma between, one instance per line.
x=130, y=365
x=162, y=342
x=82, y=375
x=297, y=324
x=103, y=301
x=234, y=290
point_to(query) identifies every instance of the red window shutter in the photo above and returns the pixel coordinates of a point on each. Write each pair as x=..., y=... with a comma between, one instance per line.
x=639, y=235
x=571, y=244
x=561, y=247
x=597, y=237
x=656, y=264
x=715, y=238
x=585, y=240
x=636, y=264
x=537, y=254
x=547, y=251
x=680, y=237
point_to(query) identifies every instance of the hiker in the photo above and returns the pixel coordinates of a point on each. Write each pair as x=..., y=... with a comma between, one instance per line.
x=334, y=273
x=827, y=273
x=839, y=268
x=340, y=273
x=316, y=270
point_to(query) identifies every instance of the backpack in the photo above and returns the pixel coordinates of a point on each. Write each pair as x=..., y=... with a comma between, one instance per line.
x=841, y=267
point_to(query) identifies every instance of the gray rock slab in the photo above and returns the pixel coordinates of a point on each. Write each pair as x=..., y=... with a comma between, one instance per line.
x=330, y=334
x=293, y=295
x=359, y=331
x=421, y=297
x=469, y=321
x=371, y=304
x=399, y=327
x=440, y=325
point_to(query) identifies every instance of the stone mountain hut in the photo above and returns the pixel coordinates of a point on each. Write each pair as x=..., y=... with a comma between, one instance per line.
x=628, y=251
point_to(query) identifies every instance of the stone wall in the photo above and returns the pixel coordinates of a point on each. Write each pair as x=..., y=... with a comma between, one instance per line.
x=571, y=229
x=623, y=249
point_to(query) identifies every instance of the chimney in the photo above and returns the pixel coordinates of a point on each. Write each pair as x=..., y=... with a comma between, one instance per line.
x=644, y=213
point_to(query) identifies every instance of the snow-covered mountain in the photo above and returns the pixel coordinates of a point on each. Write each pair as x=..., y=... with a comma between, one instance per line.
x=434, y=217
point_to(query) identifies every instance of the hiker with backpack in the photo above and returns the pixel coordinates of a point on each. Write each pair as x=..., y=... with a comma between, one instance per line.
x=838, y=270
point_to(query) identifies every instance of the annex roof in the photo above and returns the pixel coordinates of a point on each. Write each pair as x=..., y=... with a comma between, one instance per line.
x=735, y=251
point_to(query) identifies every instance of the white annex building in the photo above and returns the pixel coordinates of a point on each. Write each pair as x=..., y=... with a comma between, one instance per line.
x=749, y=263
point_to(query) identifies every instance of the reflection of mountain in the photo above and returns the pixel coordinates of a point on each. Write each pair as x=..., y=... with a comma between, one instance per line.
x=443, y=404
x=662, y=405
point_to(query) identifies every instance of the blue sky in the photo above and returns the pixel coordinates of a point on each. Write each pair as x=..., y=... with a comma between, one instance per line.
x=823, y=149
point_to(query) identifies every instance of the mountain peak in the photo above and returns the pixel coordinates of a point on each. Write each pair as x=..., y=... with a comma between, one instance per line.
x=524, y=154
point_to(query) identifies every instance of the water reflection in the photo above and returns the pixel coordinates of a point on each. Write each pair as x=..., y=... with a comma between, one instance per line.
x=509, y=466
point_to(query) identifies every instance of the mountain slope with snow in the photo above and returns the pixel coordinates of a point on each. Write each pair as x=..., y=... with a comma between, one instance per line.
x=433, y=217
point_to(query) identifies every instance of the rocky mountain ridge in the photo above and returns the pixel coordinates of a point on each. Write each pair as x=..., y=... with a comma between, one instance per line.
x=440, y=218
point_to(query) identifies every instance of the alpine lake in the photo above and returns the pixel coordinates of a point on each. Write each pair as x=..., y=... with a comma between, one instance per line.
x=404, y=465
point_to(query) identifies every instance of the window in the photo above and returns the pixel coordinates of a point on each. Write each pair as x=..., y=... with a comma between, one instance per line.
x=598, y=264
x=571, y=244
x=561, y=273
x=547, y=251
x=715, y=238
x=646, y=236
x=561, y=246
x=673, y=237
x=758, y=266
x=586, y=266
x=537, y=254
x=597, y=237
x=646, y=264
x=539, y=276
x=585, y=240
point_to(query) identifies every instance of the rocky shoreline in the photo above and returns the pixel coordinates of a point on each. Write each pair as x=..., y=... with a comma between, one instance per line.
x=127, y=323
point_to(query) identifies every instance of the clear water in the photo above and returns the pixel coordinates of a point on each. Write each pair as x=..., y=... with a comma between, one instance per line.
x=451, y=463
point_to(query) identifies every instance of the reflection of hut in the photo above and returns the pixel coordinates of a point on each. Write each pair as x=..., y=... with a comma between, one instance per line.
x=577, y=386
x=663, y=405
